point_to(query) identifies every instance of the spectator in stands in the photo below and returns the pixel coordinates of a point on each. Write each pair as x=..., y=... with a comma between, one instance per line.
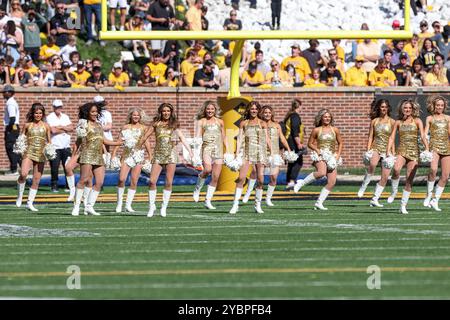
x=56, y=64
x=424, y=33
x=64, y=78
x=70, y=47
x=252, y=77
x=356, y=76
x=275, y=6
x=447, y=64
x=312, y=55
x=48, y=50
x=97, y=79
x=389, y=43
x=44, y=78
x=4, y=72
x=146, y=79
x=12, y=39
x=16, y=13
x=412, y=49
x=314, y=81
x=194, y=16
x=370, y=50
x=199, y=47
x=402, y=70
x=96, y=62
x=170, y=79
x=137, y=24
x=440, y=61
x=380, y=76
x=225, y=74
x=161, y=15
x=232, y=23
x=442, y=41
x=157, y=67
x=31, y=24
x=387, y=56
x=118, y=77
x=188, y=68
x=435, y=77
x=58, y=25
x=29, y=66
x=74, y=58
x=61, y=128
x=336, y=43
x=278, y=77
x=418, y=74
x=139, y=6
x=88, y=65
x=81, y=75
x=22, y=78
x=436, y=27
x=205, y=22
x=399, y=46
x=94, y=8
x=340, y=65
x=331, y=76
x=122, y=4
x=204, y=77
x=302, y=69
x=3, y=17
x=170, y=56
x=261, y=65
x=428, y=53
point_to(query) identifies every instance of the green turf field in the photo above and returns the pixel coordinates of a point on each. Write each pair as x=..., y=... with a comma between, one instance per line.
x=289, y=252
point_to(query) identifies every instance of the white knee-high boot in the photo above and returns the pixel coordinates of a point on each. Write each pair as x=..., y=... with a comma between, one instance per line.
x=166, y=199
x=258, y=199
x=301, y=183
x=322, y=197
x=151, y=203
x=209, y=195
x=198, y=188
x=437, y=195
x=31, y=195
x=20, y=191
x=71, y=184
x=405, y=198
x=130, y=197
x=378, y=191
x=250, y=187
x=86, y=193
x=120, y=191
x=89, y=207
x=269, y=194
x=430, y=187
x=394, y=191
x=78, y=195
x=364, y=185
x=237, y=196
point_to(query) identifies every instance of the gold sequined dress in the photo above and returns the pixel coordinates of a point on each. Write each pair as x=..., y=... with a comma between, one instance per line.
x=165, y=151
x=91, y=149
x=326, y=141
x=382, y=132
x=439, y=136
x=212, y=141
x=274, y=141
x=254, y=145
x=36, y=141
x=136, y=132
x=408, y=146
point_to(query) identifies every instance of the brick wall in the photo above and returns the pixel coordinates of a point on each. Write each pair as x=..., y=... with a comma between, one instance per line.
x=350, y=107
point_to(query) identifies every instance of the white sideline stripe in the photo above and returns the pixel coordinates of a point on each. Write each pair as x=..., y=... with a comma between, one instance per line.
x=240, y=285
x=246, y=250
x=212, y=261
x=78, y=243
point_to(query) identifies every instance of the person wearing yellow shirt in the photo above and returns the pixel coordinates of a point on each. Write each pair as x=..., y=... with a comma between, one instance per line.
x=423, y=34
x=252, y=77
x=117, y=77
x=339, y=50
x=356, y=76
x=277, y=76
x=48, y=50
x=80, y=75
x=381, y=76
x=170, y=79
x=412, y=48
x=188, y=68
x=314, y=81
x=194, y=16
x=301, y=65
x=29, y=67
x=199, y=47
x=436, y=78
x=158, y=68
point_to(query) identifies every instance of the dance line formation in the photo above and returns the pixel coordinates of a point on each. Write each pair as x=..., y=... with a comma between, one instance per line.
x=262, y=144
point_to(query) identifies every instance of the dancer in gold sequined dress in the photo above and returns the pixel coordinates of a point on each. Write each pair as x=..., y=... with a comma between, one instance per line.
x=38, y=134
x=324, y=137
x=166, y=130
x=252, y=144
x=91, y=158
x=134, y=130
x=410, y=129
x=210, y=129
x=438, y=125
x=380, y=130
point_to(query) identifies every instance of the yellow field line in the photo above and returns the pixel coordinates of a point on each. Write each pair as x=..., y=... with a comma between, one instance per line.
x=219, y=271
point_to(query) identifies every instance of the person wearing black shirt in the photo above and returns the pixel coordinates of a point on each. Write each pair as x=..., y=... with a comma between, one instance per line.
x=205, y=77
x=97, y=79
x=275, y=5
x=161, y=15
x=331, y=76
x=58, y=25
x=403, y=70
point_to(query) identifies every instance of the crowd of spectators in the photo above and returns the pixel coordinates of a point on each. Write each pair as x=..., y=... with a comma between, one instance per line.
x=38, y=47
